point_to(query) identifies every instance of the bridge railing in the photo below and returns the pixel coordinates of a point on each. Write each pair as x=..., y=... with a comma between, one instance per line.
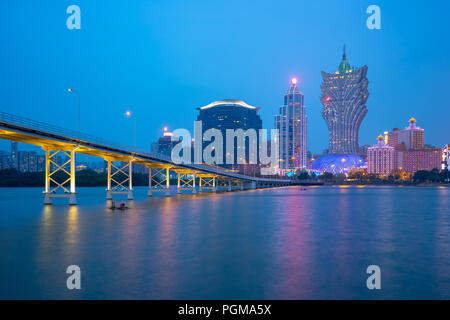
x=83, y=138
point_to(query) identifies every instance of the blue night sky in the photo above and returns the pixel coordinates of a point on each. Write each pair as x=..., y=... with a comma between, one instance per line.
x=162, y=59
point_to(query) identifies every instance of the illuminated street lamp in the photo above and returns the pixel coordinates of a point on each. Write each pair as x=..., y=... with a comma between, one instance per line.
x=129, y=114
x=70, y=90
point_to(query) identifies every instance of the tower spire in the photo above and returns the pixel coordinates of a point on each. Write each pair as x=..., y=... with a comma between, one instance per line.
x=344, y=67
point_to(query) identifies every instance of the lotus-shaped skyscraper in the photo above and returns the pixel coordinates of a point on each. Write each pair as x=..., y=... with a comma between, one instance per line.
x=344, y=94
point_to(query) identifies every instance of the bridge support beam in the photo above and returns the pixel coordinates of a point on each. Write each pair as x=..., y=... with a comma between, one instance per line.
x=207, y=183
x=158, y=181
x=241, y=183
x=230, y=183
x=186, y=182
x=68, y=185
x=250, y=185
x=118, y=178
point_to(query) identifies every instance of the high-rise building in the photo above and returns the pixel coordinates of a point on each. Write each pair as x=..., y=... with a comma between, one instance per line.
x=412, y=137
x=165, y=143
x=28, y=161
x=412, y=153
x=5, y=160
x=424, y=159
x=292, y=127
x=344, y=94
x=40, y=163
x=381, y=158
x=232, y=114
x=14, y=155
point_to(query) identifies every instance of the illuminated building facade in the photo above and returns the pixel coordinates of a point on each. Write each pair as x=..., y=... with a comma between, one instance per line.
x=337, y=163
x=292, y=127
x=446, y=157
x=344, y=94
x=412, y=137
x=381, y=158
x=14, y=155
x=232, y=114
x=165, y=143
x=424, y=159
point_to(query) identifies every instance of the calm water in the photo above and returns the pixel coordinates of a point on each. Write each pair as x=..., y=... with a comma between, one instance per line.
x=262, y=244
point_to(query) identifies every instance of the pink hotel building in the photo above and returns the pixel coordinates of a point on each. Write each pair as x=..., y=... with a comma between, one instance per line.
x=403, y=150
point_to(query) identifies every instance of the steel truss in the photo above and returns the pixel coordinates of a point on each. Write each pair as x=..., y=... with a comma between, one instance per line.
x=207, y=182
x=118, y=178
x=186, y=181
x=158, y=185
x=68, y=185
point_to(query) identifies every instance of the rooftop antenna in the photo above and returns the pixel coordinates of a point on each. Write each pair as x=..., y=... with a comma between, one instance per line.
x=344, y=57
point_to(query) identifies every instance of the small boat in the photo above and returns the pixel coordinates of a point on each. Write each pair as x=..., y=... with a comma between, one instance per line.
x=122, y=206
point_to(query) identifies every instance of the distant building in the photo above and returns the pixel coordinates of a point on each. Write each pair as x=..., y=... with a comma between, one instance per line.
x=424, y=159
x=292, y=127
x=14, y=155
x=232, y=114
x=381, y=158
x=28, y=161
x=392, y=138
x=412, y=137
x=5, y=160
x=99, y=166
x=165, y=143
x=81, y=167
x=41, y=163
x=362, y=151
x=411, y=152
x=344, y=95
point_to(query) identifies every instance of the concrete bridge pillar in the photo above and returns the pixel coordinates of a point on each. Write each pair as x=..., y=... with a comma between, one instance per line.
x=229, y=185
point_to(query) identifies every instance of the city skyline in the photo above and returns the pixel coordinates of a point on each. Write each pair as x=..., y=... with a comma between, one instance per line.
x=144, y=83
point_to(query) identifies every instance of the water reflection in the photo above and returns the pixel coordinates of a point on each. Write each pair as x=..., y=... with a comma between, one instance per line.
x=259, y=244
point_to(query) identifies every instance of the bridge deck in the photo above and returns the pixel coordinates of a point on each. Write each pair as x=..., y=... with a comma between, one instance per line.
x=49, y=136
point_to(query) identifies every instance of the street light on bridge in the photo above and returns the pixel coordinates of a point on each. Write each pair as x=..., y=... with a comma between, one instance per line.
x=70, y=90
x=129, y=114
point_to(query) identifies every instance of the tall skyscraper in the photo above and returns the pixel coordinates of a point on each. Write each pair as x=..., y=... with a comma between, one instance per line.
x=14, y=155
x=344, y=94
x=232, y=114
x=381, y=158
x=292, y=126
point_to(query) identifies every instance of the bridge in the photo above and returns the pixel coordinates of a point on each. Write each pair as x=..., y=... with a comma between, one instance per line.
x=56, y=140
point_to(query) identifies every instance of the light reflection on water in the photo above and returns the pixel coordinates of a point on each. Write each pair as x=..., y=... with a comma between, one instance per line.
x=262, y=244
